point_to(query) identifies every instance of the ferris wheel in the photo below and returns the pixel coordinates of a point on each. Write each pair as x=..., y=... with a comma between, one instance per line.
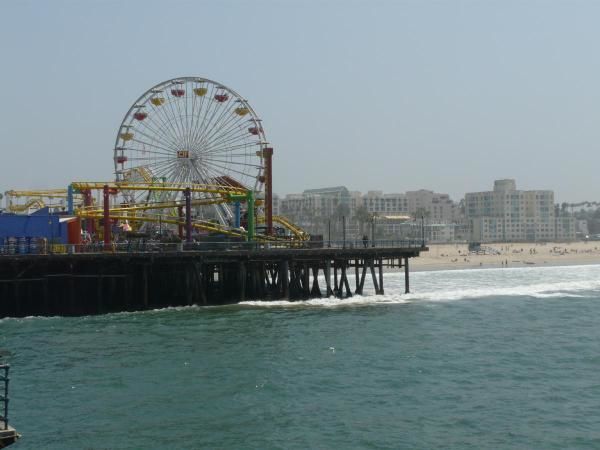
x=190, y=130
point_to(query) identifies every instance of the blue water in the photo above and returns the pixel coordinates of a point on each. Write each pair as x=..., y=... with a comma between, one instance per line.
x=479, y=359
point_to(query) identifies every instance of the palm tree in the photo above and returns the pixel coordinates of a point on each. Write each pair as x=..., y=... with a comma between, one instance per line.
x=362, y=216
x=421, y=212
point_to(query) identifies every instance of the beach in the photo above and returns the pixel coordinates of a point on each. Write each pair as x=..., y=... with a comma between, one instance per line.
x=457, y=256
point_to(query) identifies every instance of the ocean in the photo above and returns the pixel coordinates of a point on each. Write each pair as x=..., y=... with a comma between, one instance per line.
x=471, y=359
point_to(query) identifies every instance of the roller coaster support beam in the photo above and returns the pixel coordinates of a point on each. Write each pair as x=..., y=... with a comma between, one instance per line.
x=249, y=199
x=237, y=216
x=268, y=155
x=251, y=218
x=70, y=209
x=106, y=218
x=87, y=202
x=180, y=226
x=188, y=215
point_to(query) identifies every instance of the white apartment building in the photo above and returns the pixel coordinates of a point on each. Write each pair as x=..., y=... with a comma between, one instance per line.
x=318, y=210
x=276, y=205
x=376, y=202
x=510, y=215
x=438, y=208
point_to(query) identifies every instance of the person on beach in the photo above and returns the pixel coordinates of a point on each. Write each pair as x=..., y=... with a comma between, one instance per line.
x=365, y=240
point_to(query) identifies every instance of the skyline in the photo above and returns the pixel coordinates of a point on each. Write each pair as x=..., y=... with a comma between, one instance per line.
x=455, y=200
x=444, y=96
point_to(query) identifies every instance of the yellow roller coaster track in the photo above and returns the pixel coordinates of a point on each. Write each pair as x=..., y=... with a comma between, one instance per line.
x=200, y=225
x=45, y=193
x=35, y=198
x=31, y=203
x=159, y=186
x=150, y=206
x=298, y=232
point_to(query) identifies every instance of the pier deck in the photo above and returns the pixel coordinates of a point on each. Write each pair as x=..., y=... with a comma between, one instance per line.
x=96, y=283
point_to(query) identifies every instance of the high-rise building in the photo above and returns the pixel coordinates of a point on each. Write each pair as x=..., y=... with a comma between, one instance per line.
x=510, y=215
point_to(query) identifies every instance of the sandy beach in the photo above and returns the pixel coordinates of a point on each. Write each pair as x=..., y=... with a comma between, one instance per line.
x=457, y=256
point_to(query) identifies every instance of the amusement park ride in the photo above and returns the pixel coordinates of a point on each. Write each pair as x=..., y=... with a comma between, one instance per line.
x=190, y=156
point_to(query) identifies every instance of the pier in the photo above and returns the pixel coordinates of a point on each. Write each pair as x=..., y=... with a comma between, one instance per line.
x=112, y=281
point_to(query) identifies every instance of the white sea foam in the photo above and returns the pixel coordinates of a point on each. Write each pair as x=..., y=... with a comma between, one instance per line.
x=330, y=302
x=451, y=285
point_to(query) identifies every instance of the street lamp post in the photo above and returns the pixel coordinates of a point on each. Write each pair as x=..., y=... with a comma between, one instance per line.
x=344, y=231
x=422, y=231
x=373, y=231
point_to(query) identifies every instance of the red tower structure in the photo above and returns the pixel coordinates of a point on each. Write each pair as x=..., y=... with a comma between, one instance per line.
x=268, y=156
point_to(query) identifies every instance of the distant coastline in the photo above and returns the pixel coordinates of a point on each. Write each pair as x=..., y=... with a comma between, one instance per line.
x=457, y=256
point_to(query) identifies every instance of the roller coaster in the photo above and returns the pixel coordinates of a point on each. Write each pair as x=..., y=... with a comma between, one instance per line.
x=150, y=212
x=23, y=201
x=169, y=212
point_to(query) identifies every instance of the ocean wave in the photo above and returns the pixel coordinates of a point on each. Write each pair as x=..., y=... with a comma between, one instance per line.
x=441, y=286
x=329, y=302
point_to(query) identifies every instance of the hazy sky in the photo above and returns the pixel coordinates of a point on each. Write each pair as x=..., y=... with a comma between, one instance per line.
x=386, y=95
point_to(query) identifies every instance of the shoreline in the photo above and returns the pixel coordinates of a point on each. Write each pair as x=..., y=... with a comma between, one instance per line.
x=506, y=255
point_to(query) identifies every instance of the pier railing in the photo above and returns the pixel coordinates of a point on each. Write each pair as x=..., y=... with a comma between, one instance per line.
x=4, y=396
x=154, y=246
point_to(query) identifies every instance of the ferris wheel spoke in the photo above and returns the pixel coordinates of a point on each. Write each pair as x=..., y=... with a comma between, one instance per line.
x=213, y=195
x=241, y=150
x=173, y=120
x=208, y=119
x=158, y=116
x=181, y=176
x=170, y=152
x=181, y=122
x=151, y=167
x=235, y=128
x=234, y=141
x=222, y=109
x=216, y=127
x=155, y=160
x=170, y=111
x=164, y=116
x=158, y=119
x=225, y=127
x=228, y=169
x=173, y=104
x=158, y=129
x=200, y=122
x=235, y=155
x=199, y=102
x=229, y=149
x=183, y=116
x=152, y=138
x=134, y=153
x=231, y=145
x=190, y=105
x=165, y=170
x=208, y=174
x=154, y=164
x=244, y=164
